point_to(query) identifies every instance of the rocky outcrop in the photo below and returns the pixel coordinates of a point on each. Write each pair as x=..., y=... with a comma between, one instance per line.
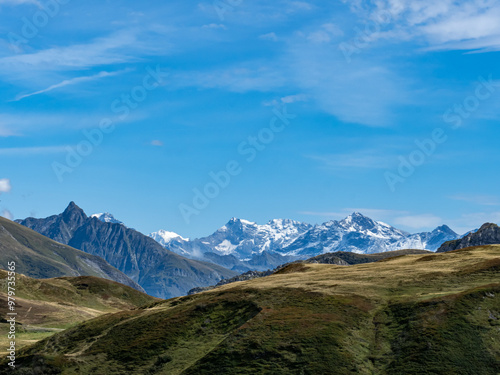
x=488, y=234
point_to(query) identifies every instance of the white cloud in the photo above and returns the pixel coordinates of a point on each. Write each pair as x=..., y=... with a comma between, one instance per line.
x=419, y=221
x=325, y=34
x=270, y=36
x=333, y=29
x=72, y=81
x=20, y=2
x=157, y=143
x=319, y=37
x=365, y=91
x=8, y=215
x=362, y=159
x=5, y=186
x=28, y=151
x=290, y=99
x=294, y=98
x=215, y=26
x=470, y=221
x=6, y=132
x=99, y=52
x=32, y=123
x=444, y=25
x=295, y=6
x=242, y=78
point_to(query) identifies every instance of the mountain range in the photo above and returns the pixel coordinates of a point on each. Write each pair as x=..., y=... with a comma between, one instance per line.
x=159, y=271
x=166, y=264
x=243, y=245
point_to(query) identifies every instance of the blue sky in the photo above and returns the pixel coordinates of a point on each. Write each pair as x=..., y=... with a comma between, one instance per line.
x=306, y=110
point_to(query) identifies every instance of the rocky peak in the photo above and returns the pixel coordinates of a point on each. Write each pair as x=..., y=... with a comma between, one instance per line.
x=488, y=234
x=73, y=212
x=358, y=221
x=444, y=229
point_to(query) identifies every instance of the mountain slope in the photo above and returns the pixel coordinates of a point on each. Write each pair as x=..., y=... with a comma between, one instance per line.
x=413, y=314
x=45, y=306
x=159, y=271
x=427, y=240
x=488, y=234
x=40, y=257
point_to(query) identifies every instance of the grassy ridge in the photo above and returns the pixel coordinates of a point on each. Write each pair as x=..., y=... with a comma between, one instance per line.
x=47, y=306
x=413, y=314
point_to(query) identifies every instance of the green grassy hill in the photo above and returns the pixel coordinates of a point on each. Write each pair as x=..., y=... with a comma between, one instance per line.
x=50, y=305
x=412, y=314
x=40, y=257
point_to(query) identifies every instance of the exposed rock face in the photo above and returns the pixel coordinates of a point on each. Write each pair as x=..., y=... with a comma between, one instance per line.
x=61, y=227
x=40, y=257
x=159, y=271
x=488, y=234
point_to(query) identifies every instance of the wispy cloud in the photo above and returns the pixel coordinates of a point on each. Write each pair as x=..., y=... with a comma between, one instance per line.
x=299, y=6
x=269, y=36
x=289, y=99
x=419, y=221
x=470, y=221
x=7, y=214
x=20, y=2
x=483, y=200
x=325, y=34
x=157, y=143
x=252, y=76
x=6, y=132
x=445, y=25
x=72, y=81
x=101, y=51
x=215, y=26
x=362, y=159
x=350, y=91
x=29, y=151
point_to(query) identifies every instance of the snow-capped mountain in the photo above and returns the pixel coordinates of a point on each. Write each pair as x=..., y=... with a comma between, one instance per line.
x=242, y=244
x=360, y=234
x=356, y=233
x=164, y=237
x=172, y=241
x=106, y=218
x=245, y=239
